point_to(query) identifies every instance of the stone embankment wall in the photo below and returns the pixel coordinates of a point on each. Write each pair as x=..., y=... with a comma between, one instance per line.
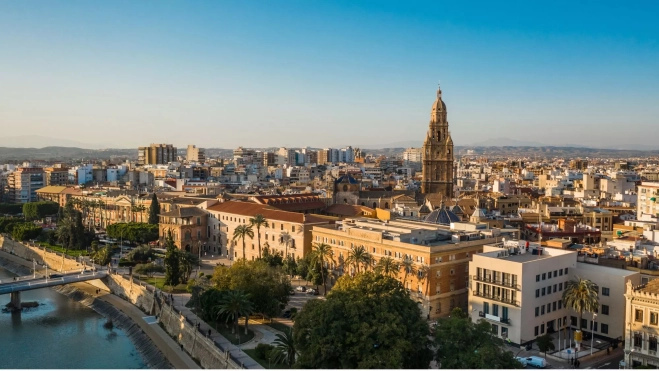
x=204, y=350
x=130, y=291
x=52, y=259
x=153, y=357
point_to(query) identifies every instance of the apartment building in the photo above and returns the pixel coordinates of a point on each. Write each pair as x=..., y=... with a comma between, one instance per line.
x=517, y=286
x=444, y=253
x=22, y=184
x=642, y=325
x=188, y=226
x=57, y=175
x=156, y=154
x=194, y=154
x=282, y=226
x=648, y=201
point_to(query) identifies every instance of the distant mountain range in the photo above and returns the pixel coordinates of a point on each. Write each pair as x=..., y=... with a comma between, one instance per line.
x=37, y=141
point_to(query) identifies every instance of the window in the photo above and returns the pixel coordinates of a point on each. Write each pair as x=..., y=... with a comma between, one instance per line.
x=555, y=275
x=543, y=291
x=605, y=310
x=536, y=330
x=548, y=275
x=605, y=328
x=486, y=307
x=495, y=310
x=548, y=290
x=573, y=321
x=638, y=315
x=537, y=311
x=537, y=293
x=542, y=328
x=495, y=329
x=504, y=332
x=653, y=343
x=504, y=312
x=554, y=306
x=293, y=228
x=565, y=270
x=584, y=323
x=542, y=309
x=537, y=278
x=555, y=286
x=605, y=291
x=438, y=273
x=544, y=276
x=452, y=272
x=560, y=272
x=654, y=317
x=593, y=326
x=638, y=340
x=560, y=286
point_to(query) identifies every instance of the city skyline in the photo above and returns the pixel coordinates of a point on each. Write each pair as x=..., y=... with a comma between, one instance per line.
x=327, y=74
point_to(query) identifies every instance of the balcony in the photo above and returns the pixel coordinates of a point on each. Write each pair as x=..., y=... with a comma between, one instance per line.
x=494, y=318
x=497, y=282
x=496, y=298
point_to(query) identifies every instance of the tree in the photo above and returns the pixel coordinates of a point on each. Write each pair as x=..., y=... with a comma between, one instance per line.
x=172, y=262
x=460, y=343
x=187, y=263
x=102, y=256
x=39, y=210
x=154, y=210
x=258, y=221
x=321, y=254
x=581, y=295
x=242, y=231
x=387, y=267
x=358, y=256
x=424, y=271
x=25, y=231
x=285, y=350
x=289, y=266
x=141, y=254
x=366, y=321
x=134, y=232
x=408, y=267
x=71, y=233
x=149, y=269
x=285, y=239
x=236, y=304
x=545, y=343
x=275, y=259
x=269, y=287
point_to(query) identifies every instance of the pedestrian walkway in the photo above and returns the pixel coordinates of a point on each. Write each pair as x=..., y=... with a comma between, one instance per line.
x=236, y=353
x=172, y=351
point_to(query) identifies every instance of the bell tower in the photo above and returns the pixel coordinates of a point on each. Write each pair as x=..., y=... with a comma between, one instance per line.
x=438, y=152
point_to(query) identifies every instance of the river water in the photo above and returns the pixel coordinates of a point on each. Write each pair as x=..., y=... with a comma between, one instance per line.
x=61, y=333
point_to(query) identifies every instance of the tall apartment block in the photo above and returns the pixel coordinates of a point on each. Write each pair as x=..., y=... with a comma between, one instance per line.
x=195, y=154
x=156, y=154
x=56, y=175
x=22, y=184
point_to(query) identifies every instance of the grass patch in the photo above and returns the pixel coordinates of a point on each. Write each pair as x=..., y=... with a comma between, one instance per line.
x=160, y=284
x=226, y=332
x=60, y=249
x=264, y=362
x=278, y=326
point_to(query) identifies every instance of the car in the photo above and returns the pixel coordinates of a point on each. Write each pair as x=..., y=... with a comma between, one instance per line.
x=537, y=362
x=301, y=289
x=521, y=360
x=312, y=292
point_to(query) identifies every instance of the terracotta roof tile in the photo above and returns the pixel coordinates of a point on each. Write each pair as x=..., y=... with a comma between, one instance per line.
x=251, y=209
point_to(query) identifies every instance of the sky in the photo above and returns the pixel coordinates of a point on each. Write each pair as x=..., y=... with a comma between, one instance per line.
x=317, y=73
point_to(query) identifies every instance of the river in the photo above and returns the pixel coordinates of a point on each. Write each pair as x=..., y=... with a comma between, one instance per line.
x=61, y=333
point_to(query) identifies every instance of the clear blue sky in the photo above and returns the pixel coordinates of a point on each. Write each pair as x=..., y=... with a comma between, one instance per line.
x=328, y=73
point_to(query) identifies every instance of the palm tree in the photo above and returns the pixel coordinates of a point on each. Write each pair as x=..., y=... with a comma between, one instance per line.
x=581, y=295
x=235, y=304
x=424, y=272
x=408, y=267
x=285, y=350
x=101, y=206
x=285, y=239
x=258, y=221
x=387, y=267
x=358, y=255
x=322, y=253
x=141, y=209
x=241, y=232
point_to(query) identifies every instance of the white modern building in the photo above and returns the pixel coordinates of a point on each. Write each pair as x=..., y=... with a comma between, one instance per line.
x=517, y=286
x=648, y=202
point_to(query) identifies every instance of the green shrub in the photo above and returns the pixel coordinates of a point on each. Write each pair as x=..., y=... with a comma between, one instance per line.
x=25, y=231
x=263, y=350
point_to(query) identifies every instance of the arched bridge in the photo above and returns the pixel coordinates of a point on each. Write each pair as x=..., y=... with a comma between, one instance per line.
x=25, y=284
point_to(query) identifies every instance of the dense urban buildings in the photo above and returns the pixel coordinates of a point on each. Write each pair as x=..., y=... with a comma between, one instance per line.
x=156, y=154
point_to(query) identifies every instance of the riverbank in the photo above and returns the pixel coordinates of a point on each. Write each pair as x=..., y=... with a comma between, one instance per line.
x=81, y=292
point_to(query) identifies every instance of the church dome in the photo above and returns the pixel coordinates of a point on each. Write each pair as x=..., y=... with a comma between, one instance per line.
x=439, y=105
x=441, y=216
x=346, y=179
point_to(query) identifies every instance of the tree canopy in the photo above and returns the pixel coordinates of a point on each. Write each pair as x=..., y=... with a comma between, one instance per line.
x=154, y=210
x=25, y=231
x=367, y=321
x=172, y=262
x=39, y=210
x=134, y=232
x=461, y=343
x=268, y=287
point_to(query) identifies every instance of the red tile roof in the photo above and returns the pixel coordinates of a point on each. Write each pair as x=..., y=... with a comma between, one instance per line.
x=251, y=209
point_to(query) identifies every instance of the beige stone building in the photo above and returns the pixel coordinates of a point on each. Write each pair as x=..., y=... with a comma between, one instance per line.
x=444, y=252
x=642, y=325
x=226, y=216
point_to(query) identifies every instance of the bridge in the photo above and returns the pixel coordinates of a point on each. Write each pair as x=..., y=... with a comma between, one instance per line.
x=27, y=283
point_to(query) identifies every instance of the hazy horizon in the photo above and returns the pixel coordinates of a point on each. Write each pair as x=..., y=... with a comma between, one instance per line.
x=295, y=73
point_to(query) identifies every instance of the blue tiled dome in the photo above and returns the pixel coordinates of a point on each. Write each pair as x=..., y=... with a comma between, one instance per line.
x=346, y=179
x=441, y=216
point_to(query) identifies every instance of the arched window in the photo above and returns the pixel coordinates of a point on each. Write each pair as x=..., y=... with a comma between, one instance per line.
x=345, y=188
x=386, y=205
x=375, y=205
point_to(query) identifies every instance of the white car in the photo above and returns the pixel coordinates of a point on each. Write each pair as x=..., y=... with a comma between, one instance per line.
x=301, y=289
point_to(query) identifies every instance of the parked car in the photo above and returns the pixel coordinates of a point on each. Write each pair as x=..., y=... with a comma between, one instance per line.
x=537, y=362
x=312, y=292
x=301, y=289
x=287, y=314
x=522, y=360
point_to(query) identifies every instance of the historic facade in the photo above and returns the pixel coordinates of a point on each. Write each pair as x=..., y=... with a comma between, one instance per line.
x=438, y=153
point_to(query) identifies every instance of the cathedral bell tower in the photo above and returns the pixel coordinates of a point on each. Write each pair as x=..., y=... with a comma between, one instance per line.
x=438, y=152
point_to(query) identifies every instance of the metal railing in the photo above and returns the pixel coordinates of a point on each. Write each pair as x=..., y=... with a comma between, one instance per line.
x=496, y=298
x=497, y=282
x=501, y=320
